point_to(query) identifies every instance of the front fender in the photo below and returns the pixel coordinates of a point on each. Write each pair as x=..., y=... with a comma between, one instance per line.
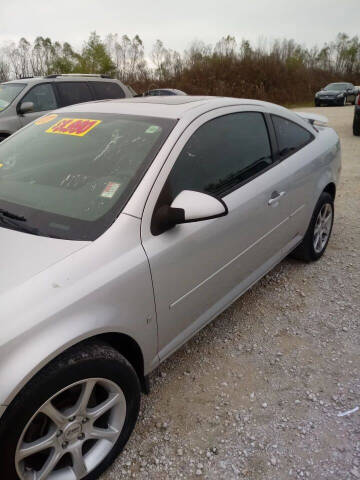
x=105, y=287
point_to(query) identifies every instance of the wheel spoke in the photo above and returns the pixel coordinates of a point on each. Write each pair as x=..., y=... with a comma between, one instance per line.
x=85, y=395
x=36, y=446
x=54, y=414
x=79, y=466
x=97, y=412
x=49, y=466
x=110, y=434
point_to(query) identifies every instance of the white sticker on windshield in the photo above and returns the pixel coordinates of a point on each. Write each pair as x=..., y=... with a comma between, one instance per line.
x=110, y=190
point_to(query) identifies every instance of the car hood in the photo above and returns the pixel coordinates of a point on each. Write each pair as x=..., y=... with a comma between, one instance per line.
x=24, y=255
x=330, y=92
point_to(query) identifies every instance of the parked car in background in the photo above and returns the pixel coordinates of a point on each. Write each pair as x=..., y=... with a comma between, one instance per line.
x=336, y=94
x=162, y=91
x=25, y=100
x=126, y=226
x=356, y=122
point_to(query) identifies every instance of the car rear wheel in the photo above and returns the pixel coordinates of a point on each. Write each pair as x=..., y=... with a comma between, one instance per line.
x=318, y=233
x=73, y=419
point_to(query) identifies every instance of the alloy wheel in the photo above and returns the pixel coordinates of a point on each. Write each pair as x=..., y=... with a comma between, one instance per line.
x=322, y=227
x=72, y=432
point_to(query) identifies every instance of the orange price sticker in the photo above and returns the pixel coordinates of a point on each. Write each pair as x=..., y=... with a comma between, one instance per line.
x=73, y=126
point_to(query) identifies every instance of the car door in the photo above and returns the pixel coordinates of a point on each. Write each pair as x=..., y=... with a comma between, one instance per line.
x=199, y=268
x=298, y=159
x=44, y=100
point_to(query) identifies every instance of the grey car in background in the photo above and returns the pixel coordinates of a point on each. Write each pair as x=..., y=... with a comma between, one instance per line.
x=26, y=99
x=126, y=226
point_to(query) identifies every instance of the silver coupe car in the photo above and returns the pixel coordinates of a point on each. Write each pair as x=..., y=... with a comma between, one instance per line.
x=126, y=226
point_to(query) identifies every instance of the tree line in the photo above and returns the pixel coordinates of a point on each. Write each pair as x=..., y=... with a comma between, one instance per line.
x=281, y=71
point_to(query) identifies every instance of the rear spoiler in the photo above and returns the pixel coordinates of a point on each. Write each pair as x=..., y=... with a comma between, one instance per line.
x=313, y=118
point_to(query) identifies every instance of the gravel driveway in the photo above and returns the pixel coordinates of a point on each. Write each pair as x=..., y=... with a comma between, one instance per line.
x=256, y=395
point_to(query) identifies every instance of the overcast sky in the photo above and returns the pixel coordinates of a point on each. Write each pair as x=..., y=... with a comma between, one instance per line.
x=177, y=23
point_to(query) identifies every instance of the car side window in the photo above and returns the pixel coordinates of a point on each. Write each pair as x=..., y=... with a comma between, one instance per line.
x=43, y=98
x=222, y=154
x=105, y=90
x=290, y=136
x=74, y=92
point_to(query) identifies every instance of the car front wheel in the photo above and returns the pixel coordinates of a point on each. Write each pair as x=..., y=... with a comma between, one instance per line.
x=73, y=419
x=318, y=233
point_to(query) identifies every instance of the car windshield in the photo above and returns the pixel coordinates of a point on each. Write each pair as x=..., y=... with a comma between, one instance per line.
x=9, y=91
x=336, y=86
x=70, y=175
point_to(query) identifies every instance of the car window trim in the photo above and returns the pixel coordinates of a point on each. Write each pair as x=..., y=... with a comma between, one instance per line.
x=72, y=81
x=271, y=137
x=284, y=157
x=32, y=88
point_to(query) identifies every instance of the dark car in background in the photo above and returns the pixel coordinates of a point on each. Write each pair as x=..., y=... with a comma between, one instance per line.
x=339, y=94
x=356, y=122
x=26, y=99
x=162, y=92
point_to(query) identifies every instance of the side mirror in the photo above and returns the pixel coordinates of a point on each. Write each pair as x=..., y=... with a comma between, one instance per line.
x=188, y=206
x=26, y=107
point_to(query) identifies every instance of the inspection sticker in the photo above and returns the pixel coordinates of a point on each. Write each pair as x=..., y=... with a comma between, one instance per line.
x=46, y=119
x=73, y=126
x=152, y=129
x=110, y=190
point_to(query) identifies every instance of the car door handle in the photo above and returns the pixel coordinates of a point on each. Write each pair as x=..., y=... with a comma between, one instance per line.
x=275, y=197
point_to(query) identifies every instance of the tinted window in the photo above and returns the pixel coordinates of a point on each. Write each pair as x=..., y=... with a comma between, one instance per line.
x=107, y=90
x=290, y=136
x=220, y=155
x=42, y=97
x=74, y=92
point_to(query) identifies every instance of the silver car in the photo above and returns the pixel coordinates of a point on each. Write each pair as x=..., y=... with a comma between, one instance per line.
x=126, y=226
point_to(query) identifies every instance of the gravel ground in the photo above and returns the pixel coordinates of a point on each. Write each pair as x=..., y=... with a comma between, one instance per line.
x=256, y=394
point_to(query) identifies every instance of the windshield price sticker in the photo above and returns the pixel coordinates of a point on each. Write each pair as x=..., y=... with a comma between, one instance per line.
x=77, y=127
x=110, y=190
x=46, y=119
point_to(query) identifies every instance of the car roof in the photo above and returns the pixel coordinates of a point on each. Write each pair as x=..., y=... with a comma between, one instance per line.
x=174, y=107
x=63, y=78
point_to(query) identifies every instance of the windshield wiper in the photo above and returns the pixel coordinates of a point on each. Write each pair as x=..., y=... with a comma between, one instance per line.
x=10, y=220
x=8, y=214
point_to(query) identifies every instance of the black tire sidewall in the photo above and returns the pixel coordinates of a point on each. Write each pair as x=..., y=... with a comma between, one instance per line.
x=54, y=378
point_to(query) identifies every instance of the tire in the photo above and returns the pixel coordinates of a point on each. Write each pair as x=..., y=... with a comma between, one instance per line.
x=306, y=251
x=317, y=104
x=108, y=373
x=356, y=125
x=2, y=137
